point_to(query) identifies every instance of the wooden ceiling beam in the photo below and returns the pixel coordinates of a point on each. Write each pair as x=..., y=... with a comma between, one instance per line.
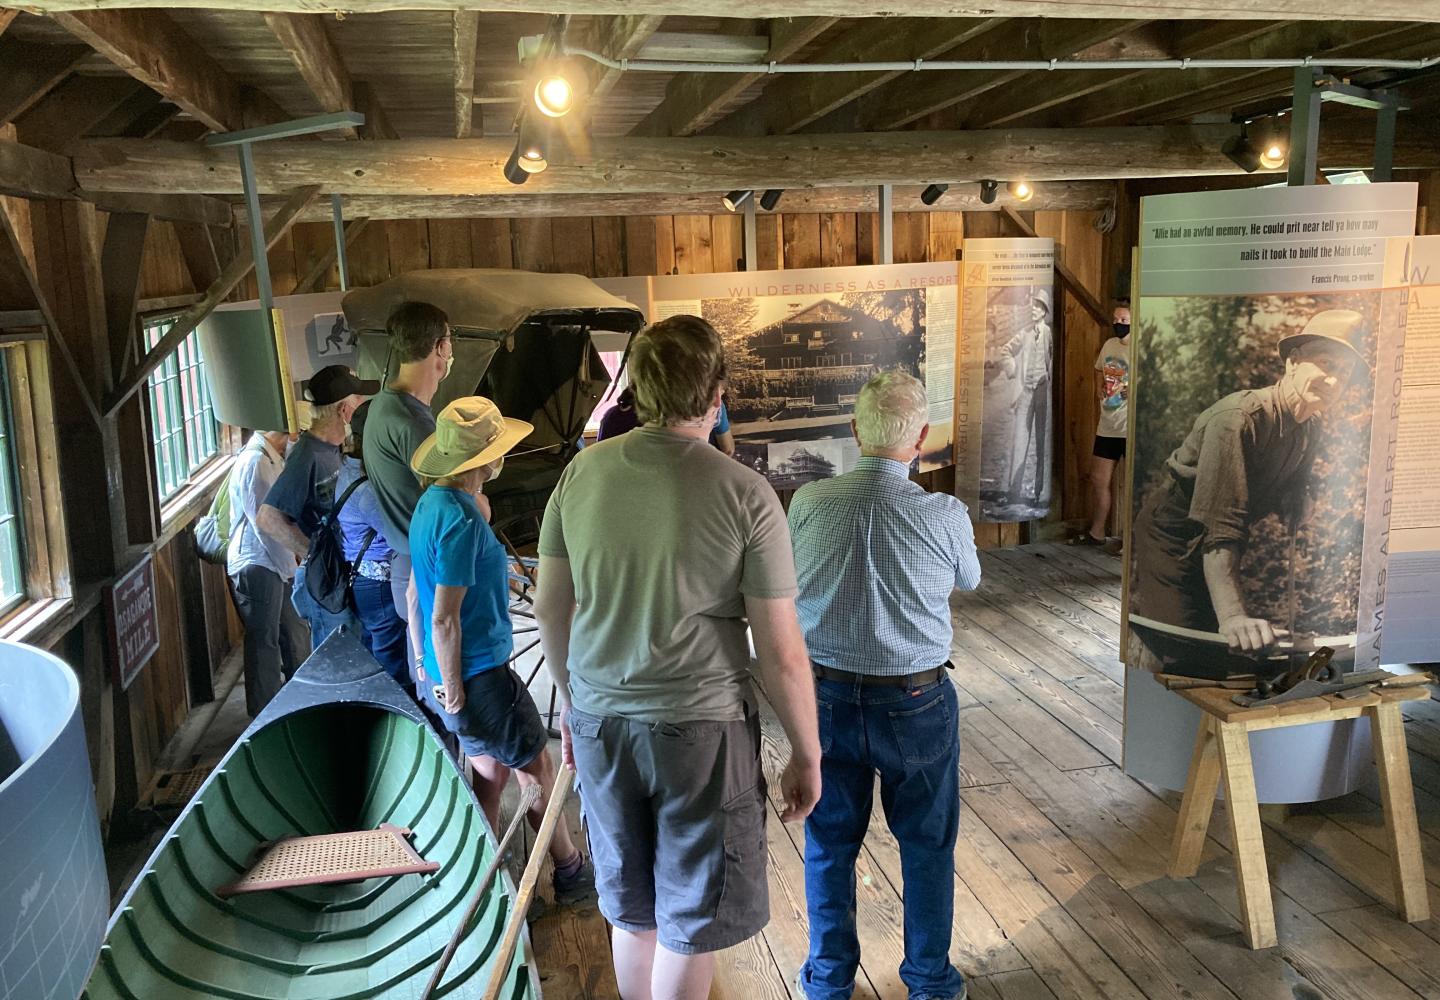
x=616, y=38
x=137, y=116
x=31, y=72
x=465, y=35
x=916, y=95
x=1039, y=92
x=305, y=40
x=1156, y=88
x=377, y=122
x=792, y=102
x=152, y=48
x=74, y=108
x=1060, y=195
x=694, y=100
x=1269, y=10
x=642, y=166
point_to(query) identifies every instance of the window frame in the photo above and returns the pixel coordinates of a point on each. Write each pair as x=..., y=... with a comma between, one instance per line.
x=184, y=430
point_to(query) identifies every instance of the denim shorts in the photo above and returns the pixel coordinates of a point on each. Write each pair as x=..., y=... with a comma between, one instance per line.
x=498, y=720
x=676, y=815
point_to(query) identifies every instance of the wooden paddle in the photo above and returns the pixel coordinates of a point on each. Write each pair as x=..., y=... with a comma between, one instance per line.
x=528, y=798
x=526, y=893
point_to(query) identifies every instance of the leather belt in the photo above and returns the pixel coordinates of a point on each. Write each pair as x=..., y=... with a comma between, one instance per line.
x=915, y=680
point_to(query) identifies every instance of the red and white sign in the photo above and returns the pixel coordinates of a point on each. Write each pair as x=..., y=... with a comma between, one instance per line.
x=134, y=624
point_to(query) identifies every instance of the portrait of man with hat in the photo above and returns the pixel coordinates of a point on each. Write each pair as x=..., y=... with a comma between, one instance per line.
x=1248, y=455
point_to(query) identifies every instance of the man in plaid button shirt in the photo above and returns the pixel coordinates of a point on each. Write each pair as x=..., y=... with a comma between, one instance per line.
x=876, y=558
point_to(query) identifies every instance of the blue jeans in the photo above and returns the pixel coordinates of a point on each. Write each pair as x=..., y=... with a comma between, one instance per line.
x=383, y=630
x=912, y=738
x=322, y=622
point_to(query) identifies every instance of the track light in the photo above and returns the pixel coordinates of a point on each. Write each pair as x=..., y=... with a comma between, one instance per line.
x=1021, y=190
x=554, y=96
x=532, y=145
x=770, y=199
x=514, y=173
x=933, y=193
x=736, y=200
x=1250, y=156
x=988, y=192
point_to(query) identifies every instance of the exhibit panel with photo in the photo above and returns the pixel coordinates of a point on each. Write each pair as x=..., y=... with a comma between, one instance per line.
x=1263, y=337
x=799, y=345
x=1007, y=370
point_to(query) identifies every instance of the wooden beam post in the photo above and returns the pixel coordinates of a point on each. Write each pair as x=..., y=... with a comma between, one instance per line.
x=303, y=36
x=465, y=32
x=1067, y=277
x=313, y=280
x=234, y=273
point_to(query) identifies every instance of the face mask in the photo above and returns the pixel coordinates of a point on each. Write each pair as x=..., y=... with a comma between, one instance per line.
x=495, y=468
x=449, y=364
x=1122, y=330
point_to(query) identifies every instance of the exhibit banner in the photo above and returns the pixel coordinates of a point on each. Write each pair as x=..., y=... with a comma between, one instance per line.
x=1263, y=408
x=1412, y=578
x=1003, y=453
x=799, y=345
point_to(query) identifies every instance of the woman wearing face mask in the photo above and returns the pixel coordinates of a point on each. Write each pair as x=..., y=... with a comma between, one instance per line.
x=1112, y=390
x=460, y=618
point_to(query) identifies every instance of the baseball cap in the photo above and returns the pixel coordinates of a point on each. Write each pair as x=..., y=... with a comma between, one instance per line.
x=334, y=382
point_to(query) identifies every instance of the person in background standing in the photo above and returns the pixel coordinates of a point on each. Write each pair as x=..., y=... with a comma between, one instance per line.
x=261, y=567
x=619, y=418
x=877, y=557
x=304, y=494
x=400, y=420
x=1112, y=391
x=721, y=436
x=369, y=551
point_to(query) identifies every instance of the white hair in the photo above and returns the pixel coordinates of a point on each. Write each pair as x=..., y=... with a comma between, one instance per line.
x=891, y=411
x=321, y=414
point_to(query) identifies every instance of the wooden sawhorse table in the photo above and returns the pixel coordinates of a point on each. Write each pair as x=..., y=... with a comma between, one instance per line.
x=1222, y=748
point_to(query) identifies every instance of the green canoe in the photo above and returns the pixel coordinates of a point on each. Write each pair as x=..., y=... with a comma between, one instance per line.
x=341, y=748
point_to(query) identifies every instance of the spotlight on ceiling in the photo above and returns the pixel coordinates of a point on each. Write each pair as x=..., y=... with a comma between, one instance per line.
x=1021, y=190
x=933, y=193
x=533, y=158
x=554, y=96
x=735, y=200
x=770, y=199
x=514, y=173
x=1249, y=155
x=988, y=191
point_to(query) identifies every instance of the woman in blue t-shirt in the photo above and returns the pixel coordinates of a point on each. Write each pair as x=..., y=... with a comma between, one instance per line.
x=460, y=618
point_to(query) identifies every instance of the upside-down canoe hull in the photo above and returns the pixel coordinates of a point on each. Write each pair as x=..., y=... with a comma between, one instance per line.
x=340, y=748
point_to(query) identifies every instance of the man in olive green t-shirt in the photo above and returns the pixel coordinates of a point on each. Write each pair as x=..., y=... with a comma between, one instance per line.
x=654, y=550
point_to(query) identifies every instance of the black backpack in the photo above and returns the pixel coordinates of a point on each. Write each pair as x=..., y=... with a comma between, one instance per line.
x=328, y=574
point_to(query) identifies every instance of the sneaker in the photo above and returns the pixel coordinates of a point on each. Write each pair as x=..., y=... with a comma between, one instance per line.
x=1085, y=538
x=572, y=889
x=964, y=992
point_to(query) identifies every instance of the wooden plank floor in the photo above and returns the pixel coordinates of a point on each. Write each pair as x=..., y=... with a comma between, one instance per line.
x=1059, y=870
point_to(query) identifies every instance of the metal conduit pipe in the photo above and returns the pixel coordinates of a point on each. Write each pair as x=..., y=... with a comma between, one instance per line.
x=942, y=65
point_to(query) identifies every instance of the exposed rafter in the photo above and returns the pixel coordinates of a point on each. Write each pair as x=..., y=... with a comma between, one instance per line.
x=908, y=100
x=74, y=108
x=153, y=49
x=642, y=166
x=465, y=32
x=377, y=122
x=1277, y=10
x=31, y=72
x=304, y=38
x=615, y=37
x=694, y=100
x=792, y=102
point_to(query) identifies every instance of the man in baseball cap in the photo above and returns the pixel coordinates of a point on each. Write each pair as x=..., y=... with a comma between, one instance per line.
x=1248, y=455
x=305, y=491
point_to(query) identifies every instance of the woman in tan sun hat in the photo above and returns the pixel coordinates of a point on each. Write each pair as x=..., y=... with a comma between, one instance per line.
x=460, y=617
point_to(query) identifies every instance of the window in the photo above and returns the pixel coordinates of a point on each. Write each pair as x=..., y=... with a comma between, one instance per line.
x=12, y=536
x=184, y=433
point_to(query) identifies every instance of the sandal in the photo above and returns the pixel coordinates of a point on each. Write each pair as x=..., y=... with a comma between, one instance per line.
x=1085, y=538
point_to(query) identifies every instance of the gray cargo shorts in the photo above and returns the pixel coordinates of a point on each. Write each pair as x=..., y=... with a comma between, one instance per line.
x=676, y=817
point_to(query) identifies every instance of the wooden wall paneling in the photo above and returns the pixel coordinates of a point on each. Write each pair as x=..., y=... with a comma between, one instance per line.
x=694, y=252
x=369, y=255
x=727, y=241
x=283, y=272
x=641, y=254
x=534, y=244
x=84, y=648
x=912, y=237
x=573, y=243
x=162, y=270
x=450, y=243
x=867, y=237
x=947, y=230
x=409, y=241
x=312, y=242
x=770, y=242
x=490, y=243
x=837, y=239
x=609, y=235
x=200, y=664
x=1427, y=220
x=665, y=262
x=802, y=239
